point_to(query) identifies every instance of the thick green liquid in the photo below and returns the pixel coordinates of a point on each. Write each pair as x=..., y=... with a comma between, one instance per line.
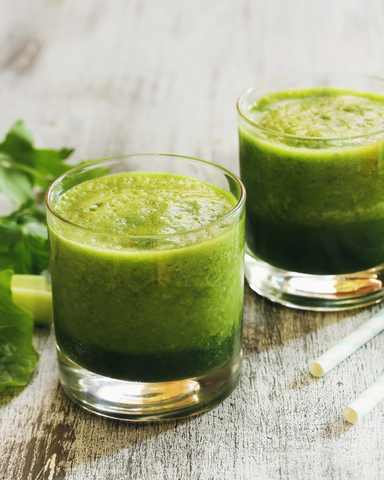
x=147, y=311
x=315, y=205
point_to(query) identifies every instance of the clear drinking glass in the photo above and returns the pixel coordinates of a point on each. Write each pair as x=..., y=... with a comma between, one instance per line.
x=315, y=204
x=148, y=327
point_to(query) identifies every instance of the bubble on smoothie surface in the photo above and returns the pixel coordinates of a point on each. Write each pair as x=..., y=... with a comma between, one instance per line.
x=144, y=204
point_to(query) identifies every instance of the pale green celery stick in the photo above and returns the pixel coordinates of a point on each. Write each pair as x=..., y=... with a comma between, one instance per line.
x=31, y=292
x=32, y=282
x=38, y=302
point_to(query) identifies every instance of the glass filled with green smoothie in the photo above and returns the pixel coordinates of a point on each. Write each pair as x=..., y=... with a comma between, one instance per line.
x=147, y=255
x=312, y=161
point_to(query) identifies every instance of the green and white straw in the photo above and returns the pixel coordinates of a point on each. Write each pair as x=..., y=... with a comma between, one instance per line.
x=335, y=355
x=352, y=342
x=365, y=402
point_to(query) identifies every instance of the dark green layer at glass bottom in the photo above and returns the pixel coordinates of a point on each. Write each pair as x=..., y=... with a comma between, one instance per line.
x=320, y=250
x=149, y=367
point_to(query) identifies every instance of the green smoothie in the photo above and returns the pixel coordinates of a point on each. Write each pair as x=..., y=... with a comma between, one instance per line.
x=149, y=285
x=312, y=163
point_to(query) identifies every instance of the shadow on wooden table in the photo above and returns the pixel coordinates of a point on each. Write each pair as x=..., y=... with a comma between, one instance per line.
x=334, y=429
x=268, y=324
x=66, y=437
x=302, y=381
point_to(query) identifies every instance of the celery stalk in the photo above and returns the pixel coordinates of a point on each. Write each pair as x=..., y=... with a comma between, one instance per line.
x=31, y=292
x=31, y=282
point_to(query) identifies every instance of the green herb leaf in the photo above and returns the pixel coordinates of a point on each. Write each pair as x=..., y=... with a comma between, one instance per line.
x=24, y=244
x=23, y=165
x=15, y=184
x=18, y=356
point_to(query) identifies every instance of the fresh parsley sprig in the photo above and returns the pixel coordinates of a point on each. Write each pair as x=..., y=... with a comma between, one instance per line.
x=22, y=166
x=24, y=241
x=25, y=170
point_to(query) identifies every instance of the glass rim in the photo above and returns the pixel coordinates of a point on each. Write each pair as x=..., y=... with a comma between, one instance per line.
x=231, y=213
x=301, y=137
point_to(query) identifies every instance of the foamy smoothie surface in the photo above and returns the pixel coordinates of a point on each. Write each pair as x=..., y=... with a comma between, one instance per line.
x=320, y=113
x=144, y=204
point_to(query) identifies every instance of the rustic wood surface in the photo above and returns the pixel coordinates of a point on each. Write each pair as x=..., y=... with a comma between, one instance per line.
x=127, y=76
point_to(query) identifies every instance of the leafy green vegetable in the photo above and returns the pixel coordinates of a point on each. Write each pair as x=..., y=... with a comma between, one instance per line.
x=15, y=184
x=18, y=356
x=23, y=166
x=24, y=249
x=24, y=241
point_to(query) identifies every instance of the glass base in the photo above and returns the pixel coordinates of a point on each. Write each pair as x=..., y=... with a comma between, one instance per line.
x=136, y=401
x=315, y=292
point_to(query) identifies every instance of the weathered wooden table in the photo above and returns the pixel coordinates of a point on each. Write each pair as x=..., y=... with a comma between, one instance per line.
x=127, y=76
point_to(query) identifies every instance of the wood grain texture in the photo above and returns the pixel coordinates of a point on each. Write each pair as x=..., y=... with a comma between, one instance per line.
x=126, y=76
